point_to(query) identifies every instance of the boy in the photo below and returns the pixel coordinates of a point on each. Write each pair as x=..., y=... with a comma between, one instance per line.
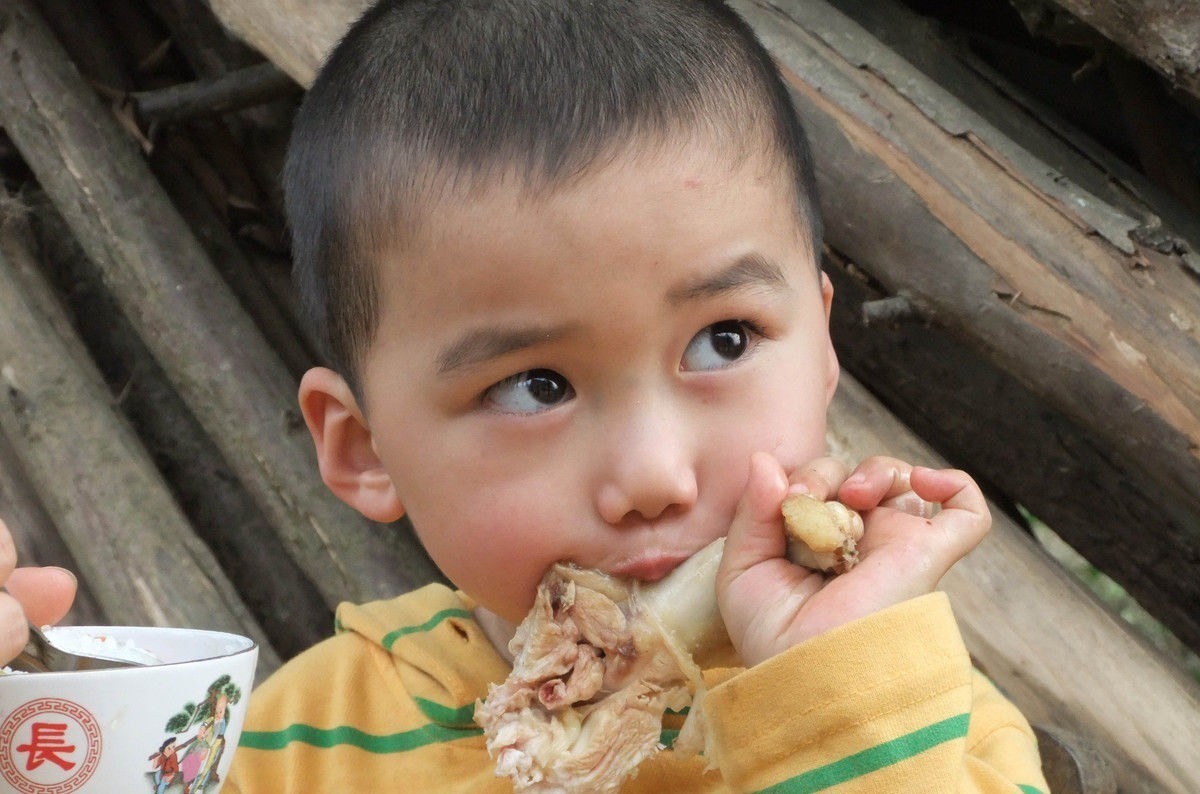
x=564, y=258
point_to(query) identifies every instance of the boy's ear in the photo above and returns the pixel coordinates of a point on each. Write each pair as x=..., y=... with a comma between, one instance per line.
x=834, y=370
x=346, y=454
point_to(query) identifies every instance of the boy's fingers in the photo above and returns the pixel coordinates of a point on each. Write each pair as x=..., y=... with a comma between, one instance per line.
x=965, y=514
x=887, y=482
x=756, y=533
x=909, y=502
x=820, y=478
x=954, y=489
x=876, y=480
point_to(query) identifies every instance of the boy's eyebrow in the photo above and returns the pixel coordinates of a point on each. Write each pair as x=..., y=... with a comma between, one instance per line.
x=750, y=270
x=483, y=344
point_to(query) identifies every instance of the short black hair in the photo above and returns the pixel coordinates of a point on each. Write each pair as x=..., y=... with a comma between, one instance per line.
x=423, y=98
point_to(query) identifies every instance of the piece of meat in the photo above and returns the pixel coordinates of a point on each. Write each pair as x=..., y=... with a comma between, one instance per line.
x=598, y=660
x=592, y=675
x=821, y=535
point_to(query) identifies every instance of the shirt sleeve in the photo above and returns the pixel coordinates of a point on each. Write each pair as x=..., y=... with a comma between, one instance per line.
x=886, y=703
x=355, y=714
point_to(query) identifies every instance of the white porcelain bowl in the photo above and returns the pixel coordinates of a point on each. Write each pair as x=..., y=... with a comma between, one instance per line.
x=129, y=730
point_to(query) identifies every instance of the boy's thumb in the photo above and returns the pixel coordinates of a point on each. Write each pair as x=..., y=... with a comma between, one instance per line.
x=756, y=533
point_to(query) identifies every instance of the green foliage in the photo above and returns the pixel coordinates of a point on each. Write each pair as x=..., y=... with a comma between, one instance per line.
x=183, y=720
x=1114, y=596
x=193, y=713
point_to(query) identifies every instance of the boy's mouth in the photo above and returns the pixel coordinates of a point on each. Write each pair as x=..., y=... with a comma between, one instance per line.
x=648, y=566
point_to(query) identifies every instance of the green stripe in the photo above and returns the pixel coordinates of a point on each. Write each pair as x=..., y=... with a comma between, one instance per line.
x=874, y=758
x=445, y=715
x=1030, y=789
x=390, y=638
x=346, y=735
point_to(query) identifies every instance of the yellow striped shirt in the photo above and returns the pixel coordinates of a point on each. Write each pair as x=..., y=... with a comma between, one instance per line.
x=888, y=703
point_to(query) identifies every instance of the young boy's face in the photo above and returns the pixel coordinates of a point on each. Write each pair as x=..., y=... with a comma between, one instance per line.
x=584, y=374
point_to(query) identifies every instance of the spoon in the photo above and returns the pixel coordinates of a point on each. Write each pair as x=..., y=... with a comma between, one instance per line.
x=42, y=656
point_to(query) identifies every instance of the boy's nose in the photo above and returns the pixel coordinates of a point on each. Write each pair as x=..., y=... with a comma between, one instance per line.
x=650, y=471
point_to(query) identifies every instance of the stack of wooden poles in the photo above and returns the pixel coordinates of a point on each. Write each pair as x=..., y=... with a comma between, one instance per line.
x=1029, y=305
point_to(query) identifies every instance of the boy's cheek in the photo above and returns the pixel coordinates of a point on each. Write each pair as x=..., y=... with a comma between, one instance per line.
x=496, y=563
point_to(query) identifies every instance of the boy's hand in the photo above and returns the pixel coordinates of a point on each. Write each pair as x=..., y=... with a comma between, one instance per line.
x=42, y=594
x=770, y=604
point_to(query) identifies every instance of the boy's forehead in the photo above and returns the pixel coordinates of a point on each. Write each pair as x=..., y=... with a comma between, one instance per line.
x=500, y=268
x=697, y=160
x=585, y=200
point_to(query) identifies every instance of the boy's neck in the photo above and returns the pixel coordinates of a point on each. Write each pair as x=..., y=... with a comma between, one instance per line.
x=498, y=631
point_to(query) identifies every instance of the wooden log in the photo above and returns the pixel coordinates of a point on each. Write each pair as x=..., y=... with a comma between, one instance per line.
x=208, y=347
x=201, y=38
x=211, y=51
x=295, y=35
x=1085, y=483
x=134, y=547
x=276, y=317
x=1026, y=270
x=1126, y=204
x=218, y=508
x=1153, y=133
x=1071, y=763
x=1162, y=33
x=215, y=161
x=1063, y=657
x=36, y=536
x=244, y=88
x=85, y=30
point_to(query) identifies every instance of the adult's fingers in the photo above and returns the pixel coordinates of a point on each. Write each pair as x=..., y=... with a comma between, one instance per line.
x=45, y=594
x=13, y=632
x=8, y=552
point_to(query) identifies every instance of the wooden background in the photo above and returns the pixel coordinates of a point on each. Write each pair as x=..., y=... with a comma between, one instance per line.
x=1025, y=300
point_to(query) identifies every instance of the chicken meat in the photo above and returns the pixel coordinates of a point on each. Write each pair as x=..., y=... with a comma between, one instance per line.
x=598, y=660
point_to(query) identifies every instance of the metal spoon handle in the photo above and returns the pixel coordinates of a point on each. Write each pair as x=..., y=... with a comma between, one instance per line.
x=31, y=659
x=41, y=656
x=56, y=660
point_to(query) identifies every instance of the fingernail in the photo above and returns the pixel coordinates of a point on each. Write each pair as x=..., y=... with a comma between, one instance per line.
x=67, y=571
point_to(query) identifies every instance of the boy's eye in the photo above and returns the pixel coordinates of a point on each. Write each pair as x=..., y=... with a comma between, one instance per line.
x=718, y=345
x=529, y=392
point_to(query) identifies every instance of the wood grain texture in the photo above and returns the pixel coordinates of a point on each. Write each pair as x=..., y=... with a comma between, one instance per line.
x=209, y=348
x=108, y=502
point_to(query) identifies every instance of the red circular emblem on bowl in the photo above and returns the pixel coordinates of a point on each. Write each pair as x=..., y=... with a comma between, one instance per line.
x=49, y=746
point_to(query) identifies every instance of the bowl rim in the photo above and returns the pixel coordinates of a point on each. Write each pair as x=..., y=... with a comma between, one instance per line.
x=247, y=645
